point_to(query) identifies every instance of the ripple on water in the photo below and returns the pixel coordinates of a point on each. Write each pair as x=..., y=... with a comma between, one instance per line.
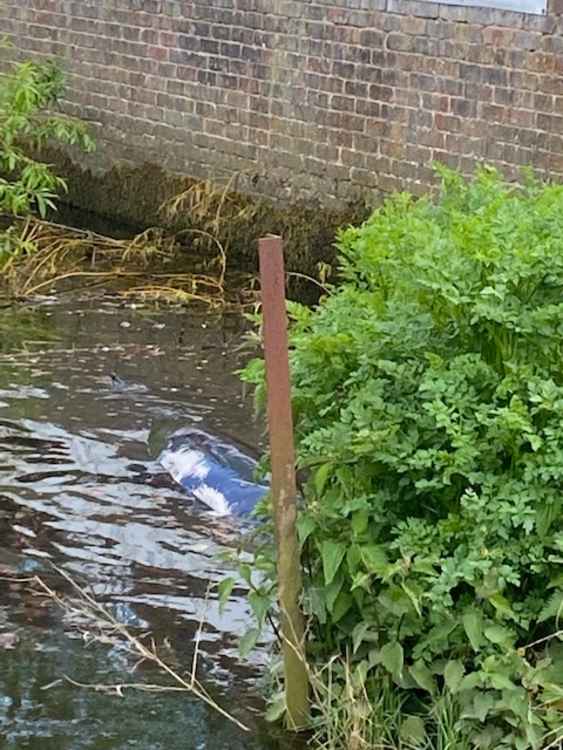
x=71, y=492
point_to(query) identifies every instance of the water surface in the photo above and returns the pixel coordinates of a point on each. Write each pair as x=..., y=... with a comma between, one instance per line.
x=71, y=493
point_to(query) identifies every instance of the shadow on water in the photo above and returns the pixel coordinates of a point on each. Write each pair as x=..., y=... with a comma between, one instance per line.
x=70, y=494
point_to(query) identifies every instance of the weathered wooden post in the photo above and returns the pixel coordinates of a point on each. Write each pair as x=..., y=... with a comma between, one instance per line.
x=284, y=488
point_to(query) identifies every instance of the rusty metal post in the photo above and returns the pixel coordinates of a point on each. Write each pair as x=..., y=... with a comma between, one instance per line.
x=284, y=488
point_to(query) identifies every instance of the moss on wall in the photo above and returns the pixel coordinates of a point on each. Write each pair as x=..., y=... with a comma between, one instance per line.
x=135, y=196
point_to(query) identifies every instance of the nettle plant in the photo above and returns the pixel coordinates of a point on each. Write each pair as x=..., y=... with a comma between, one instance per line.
x=428, y=397
x=28, y=95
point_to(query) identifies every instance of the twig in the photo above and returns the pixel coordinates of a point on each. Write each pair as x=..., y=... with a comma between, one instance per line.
x=557, y=634
x=90, y=274
x=95, y=610
x=306, y=277
x=198, y=638
x=557, y=742
x=120, y=686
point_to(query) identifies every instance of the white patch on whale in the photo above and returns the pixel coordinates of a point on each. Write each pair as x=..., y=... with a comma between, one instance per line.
x=181, y=464
x=215, y=500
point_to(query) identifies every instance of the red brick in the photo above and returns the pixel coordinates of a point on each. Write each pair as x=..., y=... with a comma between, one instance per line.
x=327, y=94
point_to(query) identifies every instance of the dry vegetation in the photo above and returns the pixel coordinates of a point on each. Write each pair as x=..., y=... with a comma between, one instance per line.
x=187, y=266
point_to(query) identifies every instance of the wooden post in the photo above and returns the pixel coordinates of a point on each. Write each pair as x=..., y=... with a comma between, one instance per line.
x=284, y=489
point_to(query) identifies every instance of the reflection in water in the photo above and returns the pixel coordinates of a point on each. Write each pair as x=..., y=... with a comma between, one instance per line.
x=21, y=328
x=70, y=492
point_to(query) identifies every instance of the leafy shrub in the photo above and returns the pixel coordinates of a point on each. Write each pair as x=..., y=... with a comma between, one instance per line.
x=27, y=94
x=428, y=397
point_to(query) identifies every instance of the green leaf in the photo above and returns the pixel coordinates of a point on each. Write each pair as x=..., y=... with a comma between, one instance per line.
x=392, y=658
x=317, y=604
x=453, y=675
x=276, y=709
x=553, y=607
x=322, y=476
x=517, y=701
x=473, y=626
x=395, y=601
x=248, y=642
x=374, y=558
x=413, y=730
x=361, y=581
x=305, y=527
x=362, y=632
x=497, y=634
x=423, y=676
x=500, y=681
x=413, y=597
x=332, y=554
x=360, y=520
x=470, y=681
x=482, y=704
x=332, y=591
x=260, y=605
x=502, y=605
x=245, y=571
x=224, y=590
x=41, y=205
x=341, y=606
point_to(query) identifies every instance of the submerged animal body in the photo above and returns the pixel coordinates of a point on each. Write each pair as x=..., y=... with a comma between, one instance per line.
x=215, y=472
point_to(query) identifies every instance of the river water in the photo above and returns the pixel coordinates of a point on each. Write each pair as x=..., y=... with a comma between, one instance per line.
x=71, y=450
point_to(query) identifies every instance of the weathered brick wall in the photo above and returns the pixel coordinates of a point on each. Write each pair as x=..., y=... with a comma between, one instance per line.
x=306, y=97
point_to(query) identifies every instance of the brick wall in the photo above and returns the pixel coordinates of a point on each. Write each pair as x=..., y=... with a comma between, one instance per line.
x=307, y=98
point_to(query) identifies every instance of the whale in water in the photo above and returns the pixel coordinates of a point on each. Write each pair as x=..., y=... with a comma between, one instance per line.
x=213, y=470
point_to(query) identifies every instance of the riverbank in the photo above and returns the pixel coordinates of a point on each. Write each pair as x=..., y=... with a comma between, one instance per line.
x=149, y=196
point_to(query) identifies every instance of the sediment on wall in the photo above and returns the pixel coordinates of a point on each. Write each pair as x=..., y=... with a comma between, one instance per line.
x=138, y=197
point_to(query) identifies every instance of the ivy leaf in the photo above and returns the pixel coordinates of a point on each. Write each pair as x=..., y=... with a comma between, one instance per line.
x=392, y=657
x=332, y=554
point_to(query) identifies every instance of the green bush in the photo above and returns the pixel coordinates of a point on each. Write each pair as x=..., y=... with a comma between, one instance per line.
x=428, y=397
x=28, y=95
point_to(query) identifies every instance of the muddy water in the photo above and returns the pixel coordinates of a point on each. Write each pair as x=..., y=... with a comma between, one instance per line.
x=71, y=450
